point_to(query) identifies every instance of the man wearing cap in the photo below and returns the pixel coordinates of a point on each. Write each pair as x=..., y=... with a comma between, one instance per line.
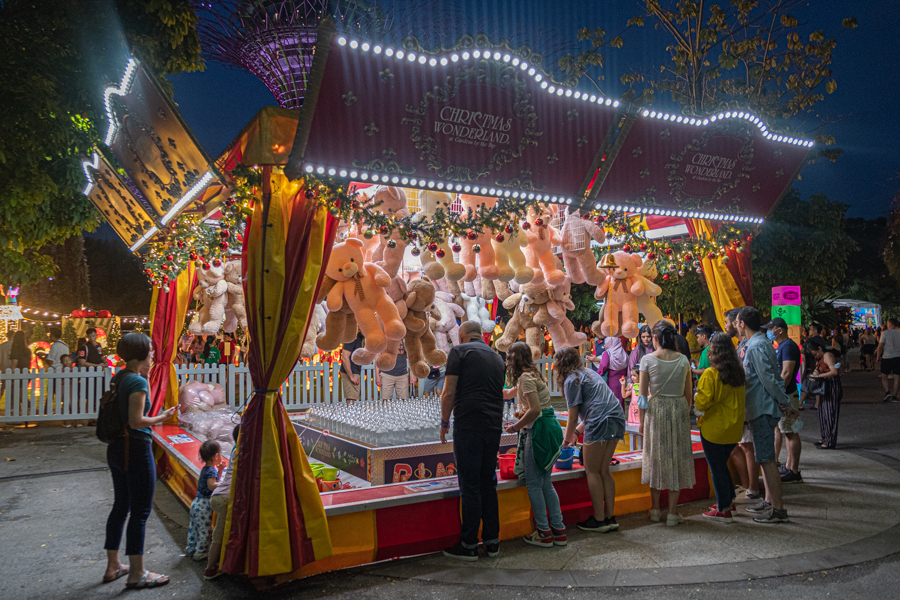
x=788, y=354
x=766, y=402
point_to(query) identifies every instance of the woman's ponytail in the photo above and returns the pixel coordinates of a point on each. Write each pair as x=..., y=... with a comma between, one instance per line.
x=666, y=336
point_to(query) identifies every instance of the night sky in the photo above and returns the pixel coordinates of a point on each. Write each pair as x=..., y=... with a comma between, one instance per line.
x=862, y=113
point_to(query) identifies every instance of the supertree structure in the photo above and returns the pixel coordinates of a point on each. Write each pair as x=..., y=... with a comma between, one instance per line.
x=274, y=39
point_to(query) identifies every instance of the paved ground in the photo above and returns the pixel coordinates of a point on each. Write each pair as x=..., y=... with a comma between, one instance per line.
x=56, y=493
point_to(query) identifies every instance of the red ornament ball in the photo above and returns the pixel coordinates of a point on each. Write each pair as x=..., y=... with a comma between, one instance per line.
x=668, y=251
x=310, y=194
x=383, y=230
x=688, y=258
x=223, y=246
x=456, y=248
x=500, y=238
x=666, y=277
x=600, y=219
x=164, y=267
x=508, y=229
x=539, y=222
x=626, y=248
x=526, y=225
x=643, y=247
x=181, y=243
x=224, y=234
x=651, y=256
x=217, y=263
x=148, y=271
x=432, y=247
x=711, y=255
x=440, y=253
x=623, y=228
x=472, y=235
x=206, y=266
x=412, y=235
x=170, y=258
x=355, y=205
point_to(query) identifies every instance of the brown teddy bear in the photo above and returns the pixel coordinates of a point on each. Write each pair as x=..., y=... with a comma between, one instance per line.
x=421, y=347
x=530, y=304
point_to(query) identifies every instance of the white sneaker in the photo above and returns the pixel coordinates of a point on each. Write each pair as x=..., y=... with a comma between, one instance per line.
x=654, y=515
x=674, y=519
x=201, y=556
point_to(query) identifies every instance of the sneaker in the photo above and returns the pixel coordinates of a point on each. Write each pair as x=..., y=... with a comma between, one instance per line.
x=783, y=469
x=723, y=517
x=559, y=537
x=592, y=524
x=493, y=550
x=460, y=552
x=715, y=508
x=654, y=514
x=613, y=526
x=758, y=509
x=673, y=519
x=895, y=399
x=773, y=515
x=748, y=497
x=210, y=574
x=792, y=477
x=542, y=539
x=887, y=397
x=201, y=556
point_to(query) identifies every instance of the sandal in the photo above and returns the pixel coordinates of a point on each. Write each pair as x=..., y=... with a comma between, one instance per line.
x=144, y=583
x=122, y=571
x=614, y=462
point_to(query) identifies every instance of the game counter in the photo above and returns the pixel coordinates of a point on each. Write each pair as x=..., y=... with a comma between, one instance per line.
x=372, y=522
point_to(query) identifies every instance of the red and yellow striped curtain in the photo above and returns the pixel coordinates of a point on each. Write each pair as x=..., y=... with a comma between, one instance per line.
x=277, y=522
x=168, y=308
x=730, y=284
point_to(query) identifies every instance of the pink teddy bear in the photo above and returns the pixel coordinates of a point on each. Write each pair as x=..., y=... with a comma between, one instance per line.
x=621, y=289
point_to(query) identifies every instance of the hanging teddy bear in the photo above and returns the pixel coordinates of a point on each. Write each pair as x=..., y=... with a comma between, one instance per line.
x=363, y=285
x=508, y=246
x=646, y=302
x=578, y=257
x=235, y=311
x=437, y=256
x=476, y=310
x=211, y=292
x=421, y=347
x=529, y=307
x=315, y=328
x=340, y=325
x=390, y=200
x=478, y=244
x=561, y=329
x=542, y=237
x=445, y=320
x=621, y=288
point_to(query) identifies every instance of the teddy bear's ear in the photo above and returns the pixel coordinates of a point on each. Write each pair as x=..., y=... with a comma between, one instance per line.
x=355, y=242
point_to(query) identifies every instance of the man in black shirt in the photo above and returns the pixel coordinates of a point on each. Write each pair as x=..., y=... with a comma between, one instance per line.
x=788, y=354
x=89, y=354
x=473, y=392
x=350, y=370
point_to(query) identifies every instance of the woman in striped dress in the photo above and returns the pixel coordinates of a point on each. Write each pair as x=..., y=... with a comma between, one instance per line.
x=830, y=402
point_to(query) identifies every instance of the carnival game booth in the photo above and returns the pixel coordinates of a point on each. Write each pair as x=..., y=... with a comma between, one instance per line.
x=538, y=169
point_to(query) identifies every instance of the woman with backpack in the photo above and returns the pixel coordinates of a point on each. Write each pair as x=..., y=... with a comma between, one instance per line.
x=131, y=464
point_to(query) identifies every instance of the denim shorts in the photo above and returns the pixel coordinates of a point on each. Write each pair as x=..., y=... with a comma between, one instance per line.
x=610, y=429
x=763, y=430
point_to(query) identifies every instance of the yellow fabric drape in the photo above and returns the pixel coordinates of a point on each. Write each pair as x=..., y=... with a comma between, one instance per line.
x=167, y=314
x=722, y=287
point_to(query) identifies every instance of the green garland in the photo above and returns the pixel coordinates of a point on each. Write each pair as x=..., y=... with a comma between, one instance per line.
x=191, y=239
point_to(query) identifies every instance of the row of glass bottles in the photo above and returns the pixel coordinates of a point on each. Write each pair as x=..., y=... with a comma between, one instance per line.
x=383, y=423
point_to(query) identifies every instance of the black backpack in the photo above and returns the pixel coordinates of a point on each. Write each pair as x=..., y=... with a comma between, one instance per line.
x=110, y=426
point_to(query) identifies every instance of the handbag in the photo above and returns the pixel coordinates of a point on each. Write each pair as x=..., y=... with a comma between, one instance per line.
x=814, y=386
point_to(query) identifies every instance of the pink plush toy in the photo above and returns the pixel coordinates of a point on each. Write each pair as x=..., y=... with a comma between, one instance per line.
x=486, y=259
x=509, y=256
x=581, y=265
x=646, y=302
x=437, y=264
x=196, y=396
x=621, y=289
x=363, y=287
x=392, y=202
x=539, y=251
x=562, y=332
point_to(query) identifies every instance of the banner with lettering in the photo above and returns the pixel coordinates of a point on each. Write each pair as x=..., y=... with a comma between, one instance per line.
x=725, y=167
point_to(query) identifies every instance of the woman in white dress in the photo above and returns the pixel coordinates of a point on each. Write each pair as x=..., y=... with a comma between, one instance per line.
x=665, y=422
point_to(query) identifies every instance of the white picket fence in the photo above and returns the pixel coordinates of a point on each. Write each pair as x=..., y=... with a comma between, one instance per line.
x=74, y=394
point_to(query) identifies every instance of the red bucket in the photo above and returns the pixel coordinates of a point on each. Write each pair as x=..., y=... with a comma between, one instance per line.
x=507, y=464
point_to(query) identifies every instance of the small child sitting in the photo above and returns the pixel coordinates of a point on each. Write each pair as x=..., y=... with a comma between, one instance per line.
x=201, y=512
x=221, y=504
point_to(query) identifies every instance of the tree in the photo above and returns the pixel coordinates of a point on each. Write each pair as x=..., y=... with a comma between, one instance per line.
x=70, y=287
x=803, y=243
x=748, y=55
x=57, y=58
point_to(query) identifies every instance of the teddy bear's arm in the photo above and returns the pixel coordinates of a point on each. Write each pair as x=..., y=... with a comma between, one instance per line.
x=512, y=301
x=335, y=298
x=379, y=275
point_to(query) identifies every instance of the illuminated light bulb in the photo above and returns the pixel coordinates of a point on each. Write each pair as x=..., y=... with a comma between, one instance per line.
x=544, y=85
x=706, y=121
x=516, y=61
x=342, y=41
x=538, y=77
x=559, y=91
x=320, y=170
x=444, y=62
x=652, y=114
x=365, y=46
x=364, y=176
x=411, y=57
x=389, y=52
x=354, y=44
x=552, y=88
x=309, y=168
x=465, y=56
x=496, y=55
x=568, y=93
x=353, y=173
x=332, y=172
x=477, y=54
x=432, y=62
x=608, y=102
x=343, y=173
x=454, y=57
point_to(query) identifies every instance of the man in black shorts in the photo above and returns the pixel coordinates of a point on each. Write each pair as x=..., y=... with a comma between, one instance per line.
x=889, y=354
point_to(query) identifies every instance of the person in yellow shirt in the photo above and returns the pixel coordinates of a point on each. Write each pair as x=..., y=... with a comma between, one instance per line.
x=720, y=403
x=693, y=343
